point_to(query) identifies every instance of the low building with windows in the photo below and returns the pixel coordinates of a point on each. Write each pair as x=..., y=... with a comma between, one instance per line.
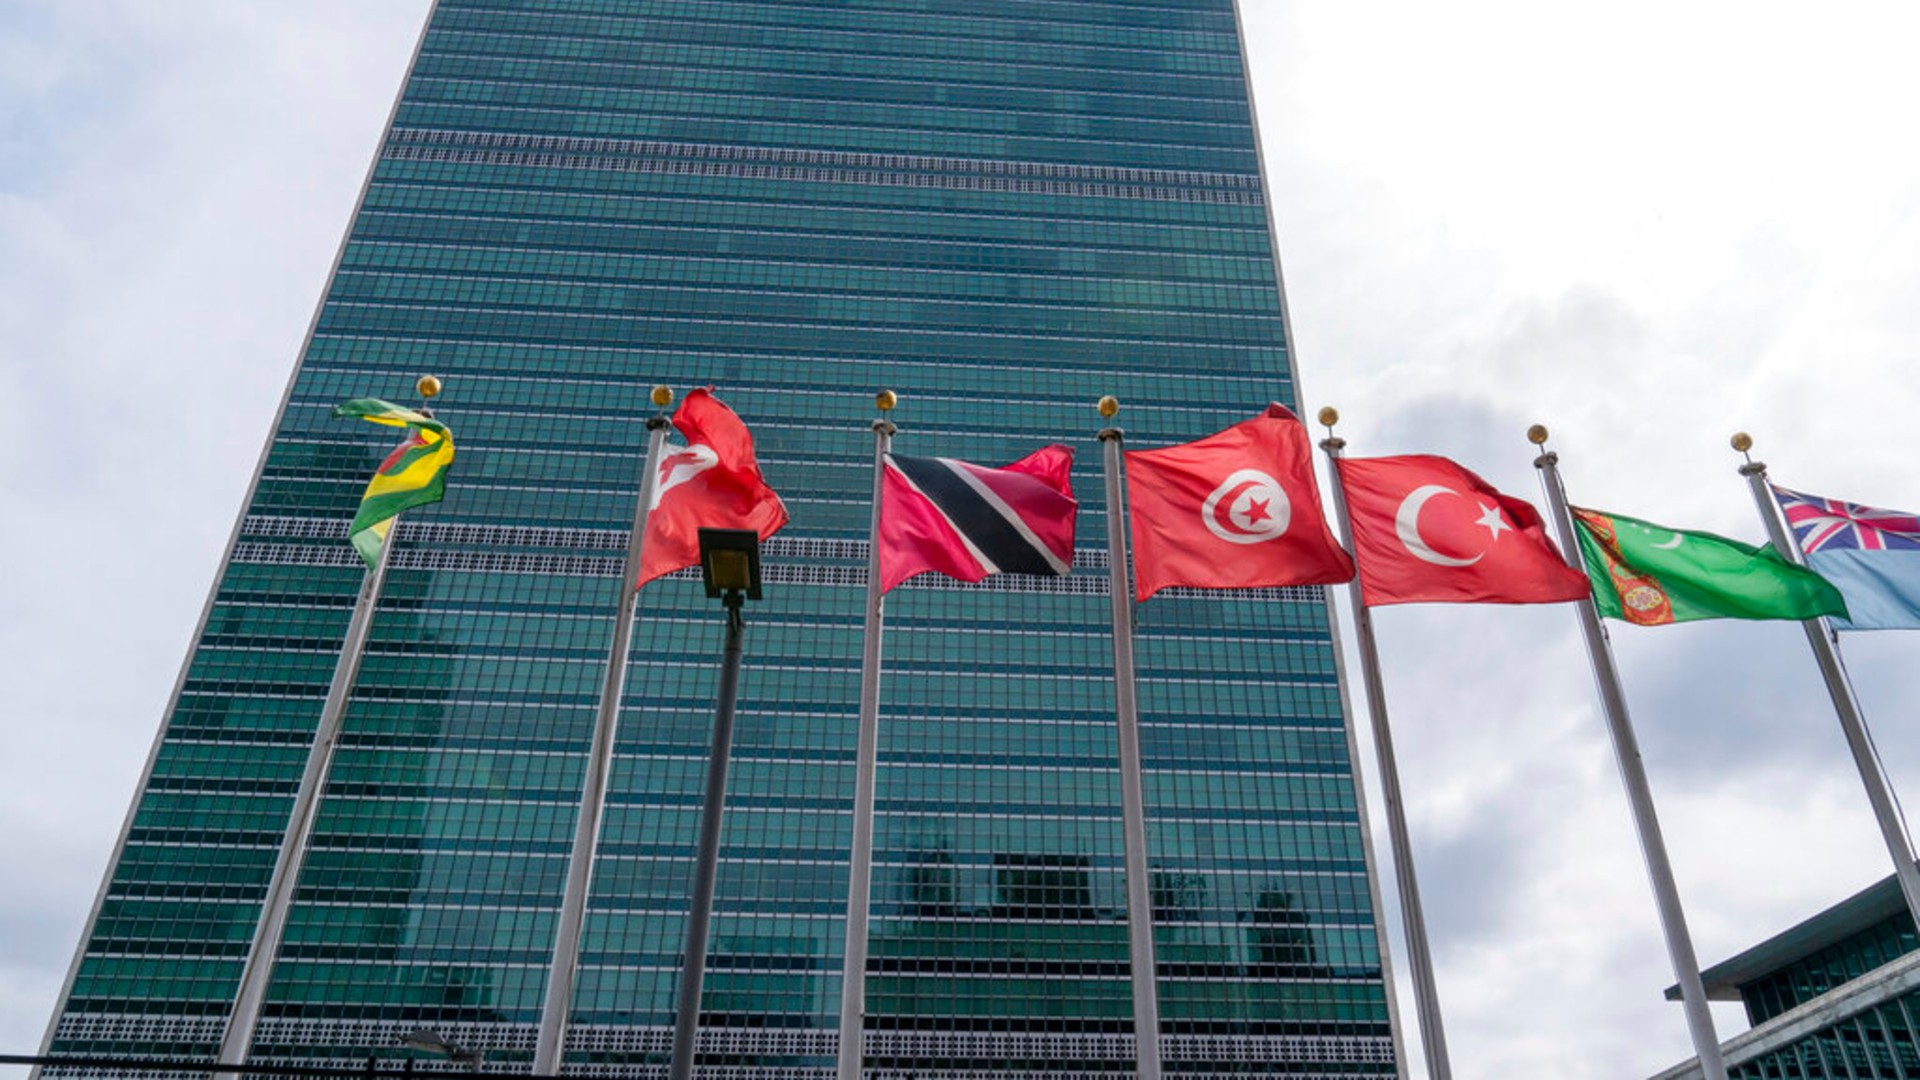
x=1836, y=996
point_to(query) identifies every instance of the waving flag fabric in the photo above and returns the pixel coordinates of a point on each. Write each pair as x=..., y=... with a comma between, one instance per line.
x=1427, y=530
x=968, y=521
x=1235, y=510
x=1871, y=555
x=712, y=482
x=414, y=474
x=1651, y=575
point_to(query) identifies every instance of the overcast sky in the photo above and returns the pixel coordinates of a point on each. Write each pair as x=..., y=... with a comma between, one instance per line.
x=1645, y=225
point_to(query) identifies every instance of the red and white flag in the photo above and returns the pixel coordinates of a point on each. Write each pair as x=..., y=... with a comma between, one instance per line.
x=1236, y=510
x=1426, y=530
x=713, y=482
x=967, y=521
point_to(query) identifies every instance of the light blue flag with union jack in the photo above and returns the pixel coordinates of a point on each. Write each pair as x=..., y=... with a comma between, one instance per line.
x=1871, y=555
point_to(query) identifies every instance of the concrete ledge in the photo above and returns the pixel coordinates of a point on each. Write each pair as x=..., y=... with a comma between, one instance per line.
x=1849, y=999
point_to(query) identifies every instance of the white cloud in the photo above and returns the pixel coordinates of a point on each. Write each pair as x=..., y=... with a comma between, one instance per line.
x=162, y=243
x=1645, y=225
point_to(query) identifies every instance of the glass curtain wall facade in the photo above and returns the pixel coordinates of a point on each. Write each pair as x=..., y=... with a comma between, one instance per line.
x=1002, y=209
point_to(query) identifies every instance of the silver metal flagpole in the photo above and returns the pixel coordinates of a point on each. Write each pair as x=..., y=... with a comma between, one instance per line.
x=1426, y=996
x=550, y=1043
x=1840, y=687
x=258, y=970
x=1626, y=751
x=1133, y=814
x=853, y=972
x=257, y=973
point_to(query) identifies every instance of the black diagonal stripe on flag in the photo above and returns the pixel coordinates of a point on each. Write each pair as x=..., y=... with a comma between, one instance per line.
x=973, y=517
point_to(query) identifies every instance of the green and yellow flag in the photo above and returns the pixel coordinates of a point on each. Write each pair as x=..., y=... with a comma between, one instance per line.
x=1651, y=575
x=413, y=475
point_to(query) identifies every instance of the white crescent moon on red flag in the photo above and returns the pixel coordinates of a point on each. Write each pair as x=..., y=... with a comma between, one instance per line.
x=1249, y=507
x=1406, y=525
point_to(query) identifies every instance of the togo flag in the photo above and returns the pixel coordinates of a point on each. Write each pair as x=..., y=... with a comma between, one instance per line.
x=1651, y=575
x=415, y=474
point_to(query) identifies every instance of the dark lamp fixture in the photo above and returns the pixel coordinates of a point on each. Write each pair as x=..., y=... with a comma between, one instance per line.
x=730, y=561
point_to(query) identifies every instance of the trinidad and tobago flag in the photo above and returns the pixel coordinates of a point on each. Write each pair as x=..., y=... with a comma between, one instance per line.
x=967, y=521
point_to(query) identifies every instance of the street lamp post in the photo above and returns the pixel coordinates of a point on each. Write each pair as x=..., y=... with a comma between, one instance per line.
x=730, y=568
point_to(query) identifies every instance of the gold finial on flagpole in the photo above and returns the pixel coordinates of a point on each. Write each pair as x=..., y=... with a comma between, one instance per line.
x=662, y=396
x=885, y=400
x=1743, y=442
x=1109, y=406
x=1537, y=434
x=428, y=386
x=1329, y=416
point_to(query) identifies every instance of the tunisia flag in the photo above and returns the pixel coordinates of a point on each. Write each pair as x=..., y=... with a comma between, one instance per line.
x=1236, y=510
x=713, y=482
x=1427, y=530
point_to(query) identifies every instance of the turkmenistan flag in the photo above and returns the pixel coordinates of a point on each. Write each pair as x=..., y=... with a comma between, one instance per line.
x=413, y=475
x=1650, y=575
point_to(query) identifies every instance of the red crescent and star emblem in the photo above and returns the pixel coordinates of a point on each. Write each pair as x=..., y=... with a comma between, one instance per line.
x=1249, y=507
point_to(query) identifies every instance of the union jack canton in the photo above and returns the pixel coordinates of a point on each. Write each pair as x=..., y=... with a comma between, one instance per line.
x=1821, y=524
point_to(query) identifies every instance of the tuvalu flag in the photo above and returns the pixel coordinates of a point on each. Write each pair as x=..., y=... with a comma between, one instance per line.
x=1427, y=530
x=414, y=474
x=968, y=521
x=1651, y=575
x=1871, y=555
x=1235, y=510
x=713, y=482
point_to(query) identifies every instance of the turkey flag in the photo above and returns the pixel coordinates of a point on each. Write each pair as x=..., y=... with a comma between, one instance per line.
x=1426, y=530
x=713, y=482
x=1236, y=510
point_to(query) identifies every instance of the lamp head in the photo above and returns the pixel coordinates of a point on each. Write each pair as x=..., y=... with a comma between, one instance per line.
x=730, y=562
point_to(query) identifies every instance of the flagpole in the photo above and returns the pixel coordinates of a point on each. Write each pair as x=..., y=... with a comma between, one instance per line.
x=853, y=972
x=257, y=973
x=550, y=1043
x=1633, y=776
x=1426, y=995
x=277, y=907
x=1846, y=705
x=1133, y=816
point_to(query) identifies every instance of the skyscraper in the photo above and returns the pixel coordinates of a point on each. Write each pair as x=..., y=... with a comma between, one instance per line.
x=1001, y=209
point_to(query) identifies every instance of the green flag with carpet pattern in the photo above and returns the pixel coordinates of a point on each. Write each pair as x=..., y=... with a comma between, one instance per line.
x=1652, y=575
